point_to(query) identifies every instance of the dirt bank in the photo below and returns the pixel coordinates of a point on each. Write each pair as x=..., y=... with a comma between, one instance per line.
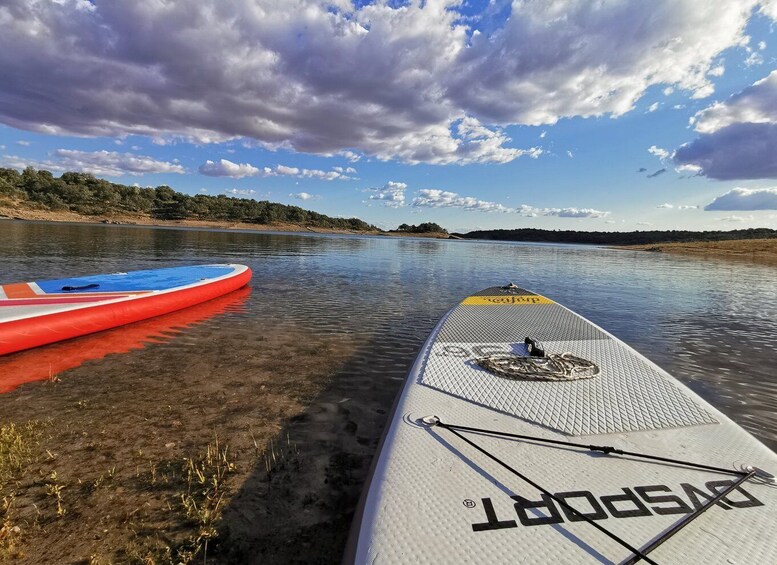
x=763, y=251
x=23, y=213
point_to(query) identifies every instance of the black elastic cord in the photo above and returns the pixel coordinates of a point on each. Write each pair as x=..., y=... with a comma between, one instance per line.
x=638, y=554
x=602, y=448
x=691, y=517
x=560, y=501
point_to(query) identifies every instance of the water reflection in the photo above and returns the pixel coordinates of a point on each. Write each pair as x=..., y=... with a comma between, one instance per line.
x=47, y=362
x=710, y=323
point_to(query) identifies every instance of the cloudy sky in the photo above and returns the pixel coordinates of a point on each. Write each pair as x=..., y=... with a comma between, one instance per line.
x=560, y=114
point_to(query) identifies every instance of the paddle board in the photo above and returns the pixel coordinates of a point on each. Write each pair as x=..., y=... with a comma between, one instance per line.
x=526, y=434
x=41, y=312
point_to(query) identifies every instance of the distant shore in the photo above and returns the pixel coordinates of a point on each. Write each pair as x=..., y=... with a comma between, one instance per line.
x=143, y=220
x=761, y=251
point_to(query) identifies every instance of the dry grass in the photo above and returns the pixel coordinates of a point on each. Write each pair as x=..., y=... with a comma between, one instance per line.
x=19, y=445
x=763, y=251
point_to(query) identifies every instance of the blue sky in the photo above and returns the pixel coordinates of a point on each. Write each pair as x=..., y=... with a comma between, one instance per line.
x=561, y=115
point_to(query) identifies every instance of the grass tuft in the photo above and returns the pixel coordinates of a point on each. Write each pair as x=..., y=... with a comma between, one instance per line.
x=17, y=446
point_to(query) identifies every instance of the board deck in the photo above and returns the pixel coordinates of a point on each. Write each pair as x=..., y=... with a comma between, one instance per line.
x=41, y=312
x=436, y=495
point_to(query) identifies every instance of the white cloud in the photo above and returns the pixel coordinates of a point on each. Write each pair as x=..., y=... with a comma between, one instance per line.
x=658, y=152
x=435, y=198
x=644, y=224
x=572, y=212
x=392, y=80
x=283, y=170
x=745, y=199
x=570, y=154
x=323, y=175
x=668, y=90
x=667, y=206
x=756, y=104
x=23, y=143
x=769, y=8
x=20, y=163
x=100, y=163
x=244, y=192
x=653, y=107
x=735, y=218
x=304, y=196
x=225, y=168
x=754, y=59
x=392, y=194
x=543, y=134
x=350, y=155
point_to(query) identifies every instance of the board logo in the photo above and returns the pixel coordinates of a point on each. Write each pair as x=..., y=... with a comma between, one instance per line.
x=633, y=502
x=509, y=300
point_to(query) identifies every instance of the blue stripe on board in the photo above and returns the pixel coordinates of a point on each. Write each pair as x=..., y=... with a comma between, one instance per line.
x=153, y=279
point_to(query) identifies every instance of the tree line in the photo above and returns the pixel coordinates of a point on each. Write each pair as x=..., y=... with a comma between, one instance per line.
x=83, y=193
x=617, y=238
x=426, y=227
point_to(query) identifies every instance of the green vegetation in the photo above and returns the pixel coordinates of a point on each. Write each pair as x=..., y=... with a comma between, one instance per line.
x=84, y=194
x=426, y=227
x=618, y=238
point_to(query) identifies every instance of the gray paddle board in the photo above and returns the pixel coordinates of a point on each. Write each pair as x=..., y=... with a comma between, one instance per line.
x=442, y=494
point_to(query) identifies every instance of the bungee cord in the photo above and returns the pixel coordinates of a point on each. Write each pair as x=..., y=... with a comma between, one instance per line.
x=638, y=554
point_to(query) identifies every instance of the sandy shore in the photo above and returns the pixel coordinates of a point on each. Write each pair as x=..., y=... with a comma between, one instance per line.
x=762, y=251
x=15, y=213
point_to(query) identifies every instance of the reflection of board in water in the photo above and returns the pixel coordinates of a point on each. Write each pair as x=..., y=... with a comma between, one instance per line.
x=484, y=462
x=44, y=362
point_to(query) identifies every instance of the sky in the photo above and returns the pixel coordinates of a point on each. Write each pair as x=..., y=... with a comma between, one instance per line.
x=561, y=114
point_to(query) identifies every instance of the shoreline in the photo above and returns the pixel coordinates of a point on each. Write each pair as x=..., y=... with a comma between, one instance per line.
x=754, y=251
x=62, y=216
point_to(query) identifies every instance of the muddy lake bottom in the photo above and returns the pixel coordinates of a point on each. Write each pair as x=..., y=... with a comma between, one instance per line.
x=170, y=457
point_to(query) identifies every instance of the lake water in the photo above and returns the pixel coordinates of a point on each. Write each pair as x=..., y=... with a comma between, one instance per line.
x=710, y=323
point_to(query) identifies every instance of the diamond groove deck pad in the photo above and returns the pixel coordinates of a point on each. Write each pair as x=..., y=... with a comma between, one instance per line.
x=628, y=395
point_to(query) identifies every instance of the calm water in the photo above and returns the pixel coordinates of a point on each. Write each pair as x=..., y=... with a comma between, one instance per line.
x=709, y=323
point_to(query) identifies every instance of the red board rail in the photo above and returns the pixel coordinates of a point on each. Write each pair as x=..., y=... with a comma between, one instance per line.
x=34, y=331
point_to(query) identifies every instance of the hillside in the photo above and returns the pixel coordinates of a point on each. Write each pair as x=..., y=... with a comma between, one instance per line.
x=85, y=195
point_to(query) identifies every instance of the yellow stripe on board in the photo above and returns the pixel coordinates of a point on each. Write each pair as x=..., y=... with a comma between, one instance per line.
x=505, y=300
